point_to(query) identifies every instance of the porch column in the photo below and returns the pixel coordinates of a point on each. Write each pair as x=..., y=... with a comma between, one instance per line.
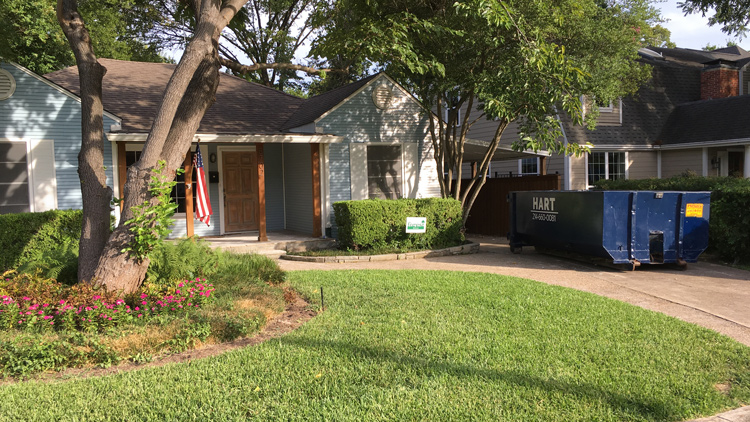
x=746, y=169
x=315, y=157
x=189, y=217
x=542, y=166
x=704, y=154
x=473, y=169
x=262, y=236
x=122, y=171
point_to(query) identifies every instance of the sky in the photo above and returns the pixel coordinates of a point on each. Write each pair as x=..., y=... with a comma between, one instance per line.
x=692, y=31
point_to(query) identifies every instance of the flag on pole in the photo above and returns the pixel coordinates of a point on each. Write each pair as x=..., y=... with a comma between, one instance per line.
x=202, y=203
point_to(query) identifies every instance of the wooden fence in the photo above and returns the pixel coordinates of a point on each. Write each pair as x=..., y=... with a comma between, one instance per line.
x=490, y=214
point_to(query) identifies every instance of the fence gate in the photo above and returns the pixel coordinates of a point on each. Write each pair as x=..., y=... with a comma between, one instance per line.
x=490, y=215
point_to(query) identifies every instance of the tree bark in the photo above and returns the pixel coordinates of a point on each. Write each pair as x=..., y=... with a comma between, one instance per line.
x=189, y=93
x=95, y=192
x=119, y=271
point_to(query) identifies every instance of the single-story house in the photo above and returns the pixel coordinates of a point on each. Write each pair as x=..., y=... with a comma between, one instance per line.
x=274, y=161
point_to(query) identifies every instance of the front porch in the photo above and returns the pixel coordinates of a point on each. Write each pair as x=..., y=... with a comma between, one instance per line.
x=278, y=243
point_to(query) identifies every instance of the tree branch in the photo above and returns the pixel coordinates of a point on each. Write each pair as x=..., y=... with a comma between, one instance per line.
x=245, y=69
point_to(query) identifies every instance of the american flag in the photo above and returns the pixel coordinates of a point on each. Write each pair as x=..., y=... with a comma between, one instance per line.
x=202, y=203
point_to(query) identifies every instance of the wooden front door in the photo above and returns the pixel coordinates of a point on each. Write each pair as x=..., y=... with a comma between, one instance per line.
x=240, y=172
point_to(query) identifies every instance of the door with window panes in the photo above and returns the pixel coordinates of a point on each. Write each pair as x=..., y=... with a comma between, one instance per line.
x=605, y=165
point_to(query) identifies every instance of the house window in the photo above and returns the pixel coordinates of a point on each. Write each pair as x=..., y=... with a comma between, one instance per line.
x=178, y=191
x=606, y=165
x=14, y=179
x=529, y=166
x=605, y=107
x=384, y=171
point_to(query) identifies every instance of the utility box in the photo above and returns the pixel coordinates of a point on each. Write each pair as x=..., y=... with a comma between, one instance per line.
x=623, y=227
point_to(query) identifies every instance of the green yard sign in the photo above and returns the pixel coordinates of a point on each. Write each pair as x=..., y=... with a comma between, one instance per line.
x=416, y=224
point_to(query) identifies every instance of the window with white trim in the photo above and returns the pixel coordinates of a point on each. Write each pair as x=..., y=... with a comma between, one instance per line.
x=606, y=165
x=14, y=179
x=384, y=172
x=529, y=166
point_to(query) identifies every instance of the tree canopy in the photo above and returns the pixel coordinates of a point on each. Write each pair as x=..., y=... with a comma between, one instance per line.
x=31, y=36
x=732, y=15
x=506, y=61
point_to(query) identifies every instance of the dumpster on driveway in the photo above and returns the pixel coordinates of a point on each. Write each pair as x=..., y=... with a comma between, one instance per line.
x=624, y=227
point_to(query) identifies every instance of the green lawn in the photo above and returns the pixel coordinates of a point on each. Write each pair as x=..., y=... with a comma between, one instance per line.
x=419, y=345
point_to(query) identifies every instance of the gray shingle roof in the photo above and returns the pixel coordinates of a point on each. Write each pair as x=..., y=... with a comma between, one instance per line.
x=316, y=106
x=133, y=90
x=645, y=113
x=708, y=120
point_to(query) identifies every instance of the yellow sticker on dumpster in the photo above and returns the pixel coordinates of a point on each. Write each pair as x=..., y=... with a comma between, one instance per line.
x=694, y=210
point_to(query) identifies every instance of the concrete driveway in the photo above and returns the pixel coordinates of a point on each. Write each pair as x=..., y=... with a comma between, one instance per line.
x=706, y=294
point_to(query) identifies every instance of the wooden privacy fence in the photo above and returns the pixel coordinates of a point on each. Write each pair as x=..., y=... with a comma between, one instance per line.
x=490, y=214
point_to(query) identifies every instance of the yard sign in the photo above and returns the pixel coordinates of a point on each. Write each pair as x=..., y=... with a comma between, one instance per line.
x=416, y=224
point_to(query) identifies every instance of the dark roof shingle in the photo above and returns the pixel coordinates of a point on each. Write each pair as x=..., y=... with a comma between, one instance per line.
x=133, y=90
x=708, y=120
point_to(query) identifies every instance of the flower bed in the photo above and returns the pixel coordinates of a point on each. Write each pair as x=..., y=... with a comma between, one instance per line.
x=38, y=305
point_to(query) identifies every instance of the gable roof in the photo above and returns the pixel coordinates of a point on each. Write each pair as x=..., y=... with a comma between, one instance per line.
x=707, y=120
x=318, y=105
x=133, y=91
x=697, y=58
x=57, y=87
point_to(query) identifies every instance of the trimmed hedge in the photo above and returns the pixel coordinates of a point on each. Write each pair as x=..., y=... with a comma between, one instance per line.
x=26, y=237
x=729, y=224
x=379, y=224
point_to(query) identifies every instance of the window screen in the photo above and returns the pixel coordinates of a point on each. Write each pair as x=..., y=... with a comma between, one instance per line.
x=384, y=171
x=14, y=178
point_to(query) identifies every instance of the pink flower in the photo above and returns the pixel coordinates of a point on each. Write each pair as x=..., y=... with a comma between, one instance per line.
x=143, y=296
x=26, y=298
x=137, y=308
x=88, y=309
x=62, y=302
x=45, y=305
x=143, y=303
x=52, y=323
x=140, y=315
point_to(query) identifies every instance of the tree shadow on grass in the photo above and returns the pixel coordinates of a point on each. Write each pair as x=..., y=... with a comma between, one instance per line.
x=631, y=407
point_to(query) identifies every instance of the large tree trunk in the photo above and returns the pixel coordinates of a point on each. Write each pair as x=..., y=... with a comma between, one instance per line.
x=125, y=272
x=187, y=97
x=95, y=192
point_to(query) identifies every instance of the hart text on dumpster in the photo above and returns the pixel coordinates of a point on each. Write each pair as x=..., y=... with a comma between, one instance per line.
x=543, y=209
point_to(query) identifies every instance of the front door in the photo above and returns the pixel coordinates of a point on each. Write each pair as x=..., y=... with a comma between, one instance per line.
x=240, y=172
x=736, y=163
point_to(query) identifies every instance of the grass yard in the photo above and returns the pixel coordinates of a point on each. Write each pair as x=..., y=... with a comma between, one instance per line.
x=421, y=345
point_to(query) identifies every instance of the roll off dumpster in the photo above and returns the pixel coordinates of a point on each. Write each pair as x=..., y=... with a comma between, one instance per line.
x=623, y=227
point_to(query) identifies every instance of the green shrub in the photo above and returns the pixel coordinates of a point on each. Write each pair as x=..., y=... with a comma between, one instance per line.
x=182, y=260
x=376, y=224
x=27, y=237
x=729, y=223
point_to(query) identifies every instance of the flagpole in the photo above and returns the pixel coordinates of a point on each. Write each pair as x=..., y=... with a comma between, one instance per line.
x=189, y=218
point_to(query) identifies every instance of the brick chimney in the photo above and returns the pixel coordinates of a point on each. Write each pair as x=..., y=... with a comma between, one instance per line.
x=719, y=79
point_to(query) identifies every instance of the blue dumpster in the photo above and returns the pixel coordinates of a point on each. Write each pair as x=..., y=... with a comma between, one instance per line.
x=624, y=227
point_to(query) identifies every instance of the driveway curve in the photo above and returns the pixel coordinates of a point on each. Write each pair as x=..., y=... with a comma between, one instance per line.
x=706, y=294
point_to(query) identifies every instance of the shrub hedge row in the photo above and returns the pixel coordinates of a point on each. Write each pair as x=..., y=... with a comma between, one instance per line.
x=26, y=237
x=381, y=224
x=729, y=224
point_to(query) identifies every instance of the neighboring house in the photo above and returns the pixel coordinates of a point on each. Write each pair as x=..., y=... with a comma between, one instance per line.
x=274, y=161
x=690, y=117
x=40, y=137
